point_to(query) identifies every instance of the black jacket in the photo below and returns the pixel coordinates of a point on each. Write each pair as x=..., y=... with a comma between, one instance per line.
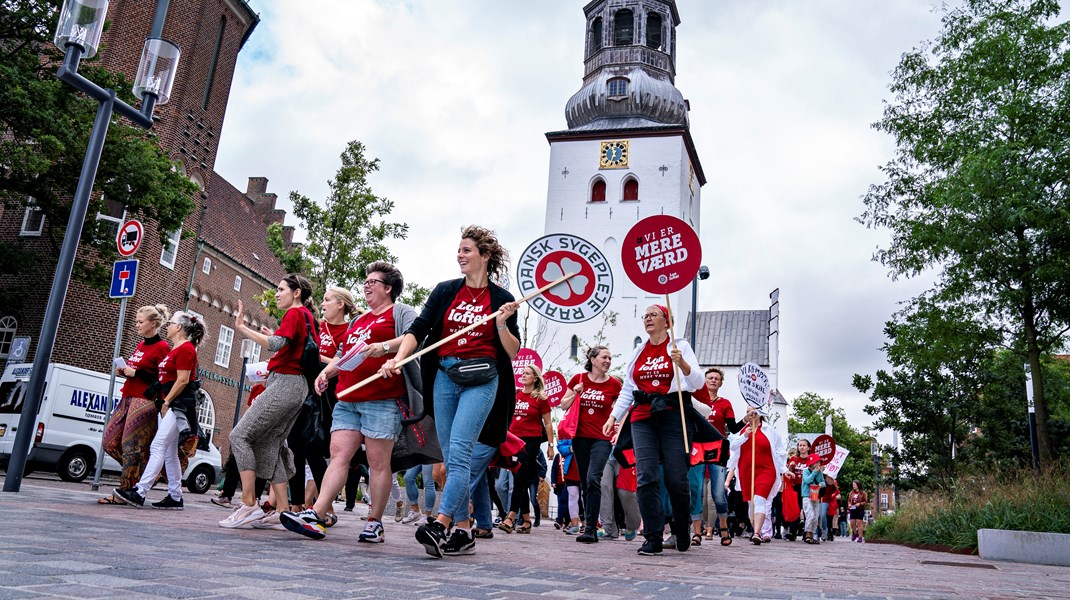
x=427, y=328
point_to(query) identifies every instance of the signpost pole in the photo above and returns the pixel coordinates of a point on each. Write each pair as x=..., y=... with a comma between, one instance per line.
x=111, y=391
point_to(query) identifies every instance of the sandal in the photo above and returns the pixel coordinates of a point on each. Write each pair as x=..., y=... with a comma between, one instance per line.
x=726, y=538
x=696, y=539
x=109, y=500
x=507, y=525
x=330, y=520
x=524, y=527
x=756, y=539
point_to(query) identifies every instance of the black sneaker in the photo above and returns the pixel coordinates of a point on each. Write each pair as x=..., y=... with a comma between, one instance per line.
x=432, y=536
x=168, y=503
x=683, y=542
x=587, y=538
x=460, y=543
x=651, y=547
x=129, y=496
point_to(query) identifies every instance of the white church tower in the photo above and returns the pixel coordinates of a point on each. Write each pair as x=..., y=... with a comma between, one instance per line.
x=627, y=154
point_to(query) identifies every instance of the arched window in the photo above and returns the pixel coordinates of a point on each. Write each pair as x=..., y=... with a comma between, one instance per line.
x=631, y=189
x=638, y=340
x=617, y=87
x=653, y=31
x=623, y=28
x=596, y=34
x=574, y=350
x=598, y=191
x=206, y=416
x=8, y=327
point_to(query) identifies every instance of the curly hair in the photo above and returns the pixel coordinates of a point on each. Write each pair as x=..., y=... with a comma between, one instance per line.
x=487, y=244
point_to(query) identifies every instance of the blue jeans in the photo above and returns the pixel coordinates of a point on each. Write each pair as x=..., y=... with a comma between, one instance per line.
x=823, y=518
x=460, y=413
x=717, y=491
x=429, y=486
x=479, y=489
x=504, y=486
x=695, y=475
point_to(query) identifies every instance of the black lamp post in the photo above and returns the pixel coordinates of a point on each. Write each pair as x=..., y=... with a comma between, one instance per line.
x=703, y=273
x=81, y=23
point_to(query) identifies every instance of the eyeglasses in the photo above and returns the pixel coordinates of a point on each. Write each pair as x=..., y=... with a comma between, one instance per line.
x=651, y=315
x=370, y=282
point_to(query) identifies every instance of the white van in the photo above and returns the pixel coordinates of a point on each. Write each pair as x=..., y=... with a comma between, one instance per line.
x=70, y=425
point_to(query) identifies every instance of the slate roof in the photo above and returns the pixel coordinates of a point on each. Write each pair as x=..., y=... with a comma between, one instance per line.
x=237, y=227
x=728, y=338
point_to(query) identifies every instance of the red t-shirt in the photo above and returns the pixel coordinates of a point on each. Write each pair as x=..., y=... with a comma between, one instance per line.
x=652, y=374
x=469, y=306
x=182, y=358
x=330, y=337
x=287, y=361
x=796, y=466
x=527, y=416
x=370, y=329
x=146, y=358
x=720, y=412
x=596, y=403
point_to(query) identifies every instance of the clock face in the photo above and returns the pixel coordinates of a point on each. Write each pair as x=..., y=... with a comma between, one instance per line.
x=613, y=155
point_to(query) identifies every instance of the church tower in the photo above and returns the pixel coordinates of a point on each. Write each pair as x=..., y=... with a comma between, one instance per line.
x=627, y=154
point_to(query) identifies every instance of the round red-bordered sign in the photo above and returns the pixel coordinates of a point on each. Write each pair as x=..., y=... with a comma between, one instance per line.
x=129, y=237
x=525, y=357
x=555, y=387
x=581, y=297
x=661, y=254
x=825, y=447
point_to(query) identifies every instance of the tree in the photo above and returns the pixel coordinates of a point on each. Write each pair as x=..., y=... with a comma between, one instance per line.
x=978, y=187
x=44, y=129
x=808, y=412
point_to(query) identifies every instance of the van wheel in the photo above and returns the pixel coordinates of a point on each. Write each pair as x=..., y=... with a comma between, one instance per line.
x=200, y=479
x=74, y=465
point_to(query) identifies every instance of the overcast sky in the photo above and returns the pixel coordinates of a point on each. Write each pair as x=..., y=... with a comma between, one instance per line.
x=455, y=97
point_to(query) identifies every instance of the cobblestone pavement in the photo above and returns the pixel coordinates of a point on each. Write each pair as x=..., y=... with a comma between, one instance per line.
x=57, y=542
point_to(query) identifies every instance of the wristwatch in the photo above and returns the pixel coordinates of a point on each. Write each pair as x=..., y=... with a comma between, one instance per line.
x=386, y=348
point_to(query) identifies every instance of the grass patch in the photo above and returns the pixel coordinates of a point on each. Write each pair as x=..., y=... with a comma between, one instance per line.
x=1010, y=500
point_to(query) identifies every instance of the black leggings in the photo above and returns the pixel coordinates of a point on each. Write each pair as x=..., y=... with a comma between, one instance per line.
x=232, y=478
x=520, y=503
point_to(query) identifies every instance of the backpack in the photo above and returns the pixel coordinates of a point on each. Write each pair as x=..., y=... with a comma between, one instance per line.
x=310, y=355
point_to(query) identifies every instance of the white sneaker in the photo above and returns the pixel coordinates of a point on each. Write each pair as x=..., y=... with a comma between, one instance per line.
x=242, y=516
x=268, y=521
x=412, y=517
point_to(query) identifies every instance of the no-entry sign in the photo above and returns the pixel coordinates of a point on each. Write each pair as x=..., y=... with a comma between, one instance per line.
x=661, y=254
x=578, y=299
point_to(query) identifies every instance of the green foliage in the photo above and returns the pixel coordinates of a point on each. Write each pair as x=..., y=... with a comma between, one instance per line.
x=1013, y=500
x=46, y=126
x=808, y=412
x=977, y=189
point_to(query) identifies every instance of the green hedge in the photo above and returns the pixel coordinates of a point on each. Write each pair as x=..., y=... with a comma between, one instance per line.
x=1015, y=501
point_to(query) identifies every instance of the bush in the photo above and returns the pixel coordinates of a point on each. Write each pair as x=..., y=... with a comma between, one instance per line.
x=1014, y=500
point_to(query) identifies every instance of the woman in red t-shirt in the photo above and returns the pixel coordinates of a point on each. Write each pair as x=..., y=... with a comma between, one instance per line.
x=531, y=423
x=659, y=373
x=856, y=506
x=133, y=425
x=596, y=391
x=258, y=442
x=178, y=386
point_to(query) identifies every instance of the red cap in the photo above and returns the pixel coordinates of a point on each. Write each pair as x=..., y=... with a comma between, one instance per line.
x=812, y=460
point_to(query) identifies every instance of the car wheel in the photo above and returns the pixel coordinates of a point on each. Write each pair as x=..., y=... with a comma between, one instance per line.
x=200, y=479
x=74, y=465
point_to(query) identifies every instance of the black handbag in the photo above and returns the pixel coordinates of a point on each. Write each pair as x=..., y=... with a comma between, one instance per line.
x=310, y=356
x=472, y=372
x=310, y=421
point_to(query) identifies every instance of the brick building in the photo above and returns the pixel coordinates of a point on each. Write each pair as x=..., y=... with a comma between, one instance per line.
x=220, y=257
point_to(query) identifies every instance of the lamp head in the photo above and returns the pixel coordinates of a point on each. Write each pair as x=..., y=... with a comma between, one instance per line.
x=81, y=23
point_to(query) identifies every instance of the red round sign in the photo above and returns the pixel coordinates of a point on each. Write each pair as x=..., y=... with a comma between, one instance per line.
x=129, y=237
x=525, y=357
x=661, y=254
x=555, y=387
x=825, y=447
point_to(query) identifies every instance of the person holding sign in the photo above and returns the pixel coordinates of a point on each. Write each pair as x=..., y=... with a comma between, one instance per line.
x=531, y=423
x=467, y=381
x=655, y=429
x=758, y=458
x=596, y=391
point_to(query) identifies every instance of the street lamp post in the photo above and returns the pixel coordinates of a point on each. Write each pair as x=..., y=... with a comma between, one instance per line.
x=875, y=448
x=703, y=273
x=81, y=23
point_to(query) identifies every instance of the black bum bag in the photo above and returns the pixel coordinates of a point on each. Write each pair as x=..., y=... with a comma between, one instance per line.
x=472, y=372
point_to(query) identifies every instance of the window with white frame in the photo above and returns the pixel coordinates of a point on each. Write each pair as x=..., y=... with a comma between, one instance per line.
x=237, y=283
x=206, y=268
x=33, y=220
x=170, y=249
x=8, y=327
x=222, y=346
x=250, y=350
x=112, y=216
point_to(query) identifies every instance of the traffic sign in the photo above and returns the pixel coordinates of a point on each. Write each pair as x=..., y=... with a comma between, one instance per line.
x=20, y=349
x=129, y=237
x=123, y=278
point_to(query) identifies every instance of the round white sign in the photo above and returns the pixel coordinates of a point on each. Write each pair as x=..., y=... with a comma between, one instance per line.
x=581, y=297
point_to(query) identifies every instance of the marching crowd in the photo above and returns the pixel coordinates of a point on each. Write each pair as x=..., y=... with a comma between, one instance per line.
x=429, y=396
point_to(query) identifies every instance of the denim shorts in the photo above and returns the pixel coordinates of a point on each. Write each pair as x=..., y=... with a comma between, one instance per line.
x=376, y=419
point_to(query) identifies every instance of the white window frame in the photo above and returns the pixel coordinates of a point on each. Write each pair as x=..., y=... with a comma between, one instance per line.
x=250, y=350
x=8, y=328
x=237, y=283
x=223, y=345
x=171, y=247
x=206, y=268
x=118, y=221
x=31, y=207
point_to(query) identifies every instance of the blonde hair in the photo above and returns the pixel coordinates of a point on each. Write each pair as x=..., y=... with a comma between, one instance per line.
x=538, y=387
x=158, y=314
x=349, y=304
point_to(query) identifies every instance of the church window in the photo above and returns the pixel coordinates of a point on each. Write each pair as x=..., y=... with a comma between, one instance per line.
x=596, y=34
x=631, y=189
x=623, y=28
x=654, y=33
x=638, y=340
x=616, y=87
x=8, y=327
x=598, y=191
x=574, y=349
